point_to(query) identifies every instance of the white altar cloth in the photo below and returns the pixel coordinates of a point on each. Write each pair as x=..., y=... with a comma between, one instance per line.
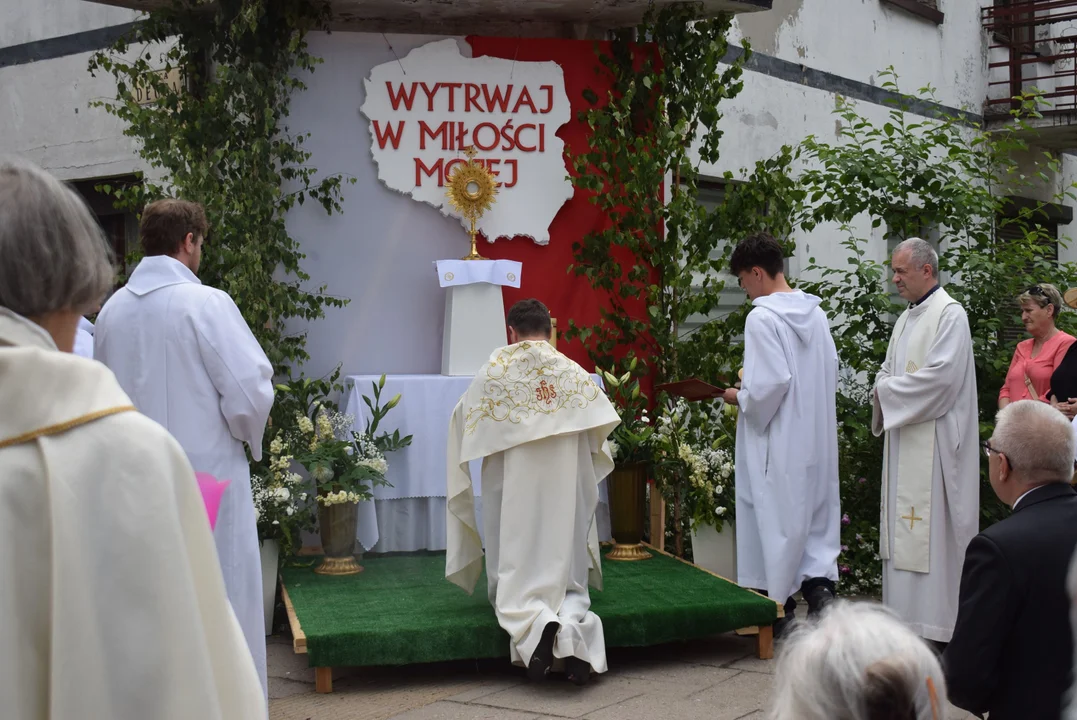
x=467, y=272
x=410, y=515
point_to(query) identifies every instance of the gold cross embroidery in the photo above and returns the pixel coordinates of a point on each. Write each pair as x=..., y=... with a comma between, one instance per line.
x=911, y=517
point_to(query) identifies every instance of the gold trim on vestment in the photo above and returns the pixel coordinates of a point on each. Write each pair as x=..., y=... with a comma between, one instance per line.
x=65, y=426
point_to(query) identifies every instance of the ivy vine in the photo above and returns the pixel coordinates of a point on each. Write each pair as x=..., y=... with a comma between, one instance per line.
x=222, y=140
x=658, y=260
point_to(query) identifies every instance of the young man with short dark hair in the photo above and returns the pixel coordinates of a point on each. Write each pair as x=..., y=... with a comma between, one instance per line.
x=788, y=509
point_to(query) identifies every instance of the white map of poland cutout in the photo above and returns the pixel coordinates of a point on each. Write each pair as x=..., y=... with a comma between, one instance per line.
x=427, y=108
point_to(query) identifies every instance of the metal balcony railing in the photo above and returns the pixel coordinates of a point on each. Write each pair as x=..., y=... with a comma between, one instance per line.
x=1033, y=44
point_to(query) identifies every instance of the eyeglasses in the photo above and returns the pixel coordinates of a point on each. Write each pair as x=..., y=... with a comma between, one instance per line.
x=1037, y=291
x=986, y=445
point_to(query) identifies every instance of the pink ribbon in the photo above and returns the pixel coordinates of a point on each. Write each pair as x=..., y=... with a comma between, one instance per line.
x=212, y=491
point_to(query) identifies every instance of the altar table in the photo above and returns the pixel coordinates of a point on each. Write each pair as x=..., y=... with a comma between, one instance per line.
x=409, y=515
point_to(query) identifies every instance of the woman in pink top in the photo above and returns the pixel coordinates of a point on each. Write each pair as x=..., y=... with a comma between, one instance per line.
x=1035, y=359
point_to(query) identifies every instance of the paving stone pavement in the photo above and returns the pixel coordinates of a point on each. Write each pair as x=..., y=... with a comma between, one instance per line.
x=714, y=679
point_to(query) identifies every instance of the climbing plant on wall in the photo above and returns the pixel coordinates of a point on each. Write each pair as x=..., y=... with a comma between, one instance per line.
x=220, y=137
x=658, y=256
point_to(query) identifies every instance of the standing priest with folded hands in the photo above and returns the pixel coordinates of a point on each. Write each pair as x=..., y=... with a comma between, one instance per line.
x=926, y=407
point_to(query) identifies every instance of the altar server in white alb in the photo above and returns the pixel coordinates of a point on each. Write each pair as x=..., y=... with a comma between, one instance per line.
x=925, y=403
x=542, y=424
x=113, y=605
x=788, y=506
x=184, y=354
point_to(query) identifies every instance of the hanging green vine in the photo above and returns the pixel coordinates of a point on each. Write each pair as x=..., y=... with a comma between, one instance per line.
x=219, y=137
x=659, y=258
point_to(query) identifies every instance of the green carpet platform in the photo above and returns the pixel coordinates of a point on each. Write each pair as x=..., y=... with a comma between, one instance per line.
x=401, y=611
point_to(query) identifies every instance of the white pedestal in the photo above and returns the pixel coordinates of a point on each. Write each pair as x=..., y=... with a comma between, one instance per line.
x=474, y=327
x=474, y=311
x=716, y=551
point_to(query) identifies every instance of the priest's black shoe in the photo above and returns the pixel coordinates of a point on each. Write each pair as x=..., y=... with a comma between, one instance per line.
x=542, y=659
x=578, y=671
x=818, y=593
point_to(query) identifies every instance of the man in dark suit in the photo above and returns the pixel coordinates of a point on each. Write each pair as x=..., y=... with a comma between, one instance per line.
x=1012, y=649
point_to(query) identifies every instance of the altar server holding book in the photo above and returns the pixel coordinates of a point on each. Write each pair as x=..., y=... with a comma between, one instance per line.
x=184, y=354
x=788, y=509
x=541, y=424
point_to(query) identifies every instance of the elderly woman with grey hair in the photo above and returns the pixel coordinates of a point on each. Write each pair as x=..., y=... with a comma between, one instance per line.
x=1036, y=359
x=860, y=662
x=114, y=596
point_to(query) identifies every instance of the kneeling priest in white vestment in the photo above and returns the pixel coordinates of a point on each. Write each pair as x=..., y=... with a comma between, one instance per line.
x=788, y=506
x=542, y=424
x=112, y=602
x=185, y=355
x=925, y=403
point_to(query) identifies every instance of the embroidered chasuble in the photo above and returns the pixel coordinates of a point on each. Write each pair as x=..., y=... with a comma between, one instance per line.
x=926, y=406
x=541, y=424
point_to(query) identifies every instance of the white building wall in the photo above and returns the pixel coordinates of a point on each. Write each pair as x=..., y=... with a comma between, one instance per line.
x=45, y=113
x=855, y=39
x=813, y=52
x=28, y=20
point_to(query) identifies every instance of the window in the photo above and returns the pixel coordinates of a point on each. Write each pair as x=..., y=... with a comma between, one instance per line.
x=711, y=195
x=119, y=226
x=1022, y=27
x=1047, y=218
x=927, y=9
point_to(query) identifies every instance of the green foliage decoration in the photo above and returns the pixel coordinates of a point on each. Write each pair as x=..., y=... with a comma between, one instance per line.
x=222, y=139
x=656, y=260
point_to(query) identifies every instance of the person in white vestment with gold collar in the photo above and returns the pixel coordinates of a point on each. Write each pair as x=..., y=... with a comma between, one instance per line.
x=187, y=358
x=542, y=426
x=113, y=603
x=926, y=405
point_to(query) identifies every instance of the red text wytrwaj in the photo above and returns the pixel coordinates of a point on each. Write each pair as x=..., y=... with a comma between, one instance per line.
x=523, y=134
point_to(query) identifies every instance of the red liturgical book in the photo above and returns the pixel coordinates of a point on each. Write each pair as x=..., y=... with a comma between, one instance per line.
x=691, y=389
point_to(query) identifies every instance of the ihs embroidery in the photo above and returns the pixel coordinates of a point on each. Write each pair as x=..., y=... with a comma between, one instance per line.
x=545, y=393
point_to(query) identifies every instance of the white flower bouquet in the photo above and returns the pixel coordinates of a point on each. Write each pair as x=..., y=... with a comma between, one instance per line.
x=693, y=464
x=345, y=465
x=281, y=503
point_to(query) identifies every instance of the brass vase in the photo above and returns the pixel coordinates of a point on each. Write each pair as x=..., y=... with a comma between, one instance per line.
x=627, y=487
x=336, y=525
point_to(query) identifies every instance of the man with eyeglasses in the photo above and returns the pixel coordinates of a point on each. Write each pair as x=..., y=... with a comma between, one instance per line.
x=1012, y=650
x=926, y=406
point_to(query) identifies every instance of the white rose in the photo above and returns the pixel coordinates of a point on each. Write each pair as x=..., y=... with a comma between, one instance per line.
x=283, y=493
x=349, y=450
x=718, y=489
x=289, y=511
x=720, y=512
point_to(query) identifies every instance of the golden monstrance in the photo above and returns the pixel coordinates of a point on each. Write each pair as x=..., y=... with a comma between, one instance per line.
x=471, y=192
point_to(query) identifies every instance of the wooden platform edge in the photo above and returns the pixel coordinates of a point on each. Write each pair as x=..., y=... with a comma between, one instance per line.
x=299, y=638
x=781, y=608
x=764, y=633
